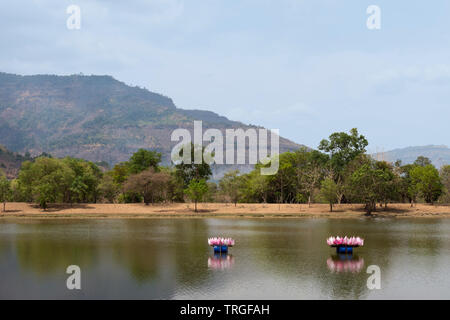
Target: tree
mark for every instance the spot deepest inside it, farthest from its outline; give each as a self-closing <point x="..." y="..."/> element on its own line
<point x="108" y="189"/>
<point x="366" y="183"/>
<point x="313" y="172"/>
<point x="422" y="161"/>
<point x="427" y="181"/>
<point x="58" y="180"/>
<point x="232" y="184"/>
<point x="143" y="160"/>
<point x="5" y="190"/>
<point x="151" y="185"/>
<point x="187" y="172"/>
<point x="329" y="192"/>
<point x="388" y="185"/>
<point x="445" y="178"/>
<point x="45" y="193"/>
<point x="196" y="190"/>
<point x="343" y="148"/>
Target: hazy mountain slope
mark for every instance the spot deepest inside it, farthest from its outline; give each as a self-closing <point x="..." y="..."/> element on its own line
<point x="439" y="155"/>
<point x="93" y="117"/>
<point x="10" y="162"/>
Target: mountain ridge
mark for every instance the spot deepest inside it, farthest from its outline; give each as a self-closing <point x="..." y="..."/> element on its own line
<point x="94" y="117"/>
<point x="438" y="154"/>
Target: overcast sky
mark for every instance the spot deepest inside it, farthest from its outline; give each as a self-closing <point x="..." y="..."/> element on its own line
<point x="306" y="67"/>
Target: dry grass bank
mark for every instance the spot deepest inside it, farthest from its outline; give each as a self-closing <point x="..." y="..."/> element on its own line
<point x="117" y="211"/>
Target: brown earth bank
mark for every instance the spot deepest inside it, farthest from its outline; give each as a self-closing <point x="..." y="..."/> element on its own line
<point x="225" y="210"/>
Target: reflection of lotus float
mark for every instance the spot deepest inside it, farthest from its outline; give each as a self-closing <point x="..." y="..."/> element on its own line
<point x="221" y="245"/>
<point x="220" y="262"/>
<point x="341" y="264"/>
<point x="345" y="244"/>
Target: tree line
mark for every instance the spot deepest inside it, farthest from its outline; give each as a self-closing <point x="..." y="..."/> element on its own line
<point x="340" y="171"/>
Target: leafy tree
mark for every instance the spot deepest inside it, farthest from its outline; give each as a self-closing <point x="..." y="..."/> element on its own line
<point x="58" y="180"/>
<point x="422" y="161"/>
<point x="405" y="188"/>
<point x="143" y="160"/>
<point x="120" y="173"/>
<point x="45" y="193"/>
<point x="329" y="192"/>
<point x="108" y="189"/>
<point x="232" y="184"/>
<point x="196" y="191"/>
<point x="187" y="172"/>
<point x="388" y="186"/>
<point x="5" y="190"/>
<point x="366" y="183"/>
<point x="427" y="181"/>
<point x="343" y="148"/>
<point x="445" y="178"/>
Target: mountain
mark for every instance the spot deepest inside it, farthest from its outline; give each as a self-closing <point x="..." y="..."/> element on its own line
<point x="10" y="162"/>
<point x="97" y="118"/>
<point x="439" y="155"/>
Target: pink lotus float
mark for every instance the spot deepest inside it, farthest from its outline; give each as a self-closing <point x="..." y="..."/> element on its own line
<point x="345" y="244"/>
<point x="221" y="245"/>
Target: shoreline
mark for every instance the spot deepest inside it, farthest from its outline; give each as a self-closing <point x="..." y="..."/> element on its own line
<point x="217" y="210"/>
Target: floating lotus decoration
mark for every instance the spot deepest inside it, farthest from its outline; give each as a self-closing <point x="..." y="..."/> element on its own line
<point x="221" y="245"/>
<point x="345" y="244"/>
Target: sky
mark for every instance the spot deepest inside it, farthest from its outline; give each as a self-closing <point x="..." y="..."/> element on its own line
<point x="308" y="68"/>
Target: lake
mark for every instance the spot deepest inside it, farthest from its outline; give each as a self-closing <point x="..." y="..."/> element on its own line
<point x="272" y="259"/>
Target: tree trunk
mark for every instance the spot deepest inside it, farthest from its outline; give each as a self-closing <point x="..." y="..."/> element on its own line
<point x="331" y="207"/>
<point x="309" y="201"/>
<point x="196" y="206"/>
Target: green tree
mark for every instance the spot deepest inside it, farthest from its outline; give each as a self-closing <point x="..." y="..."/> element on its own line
<point x="329" y="192"/>
<point x="422" y="161"/>
<point x="343" y="148"/>
<point x="196" y="191"/>
<point x="366" y="183"/>
<point x="427" y="182"/>
<point x="143" y="160"/>
<point x="232" y="185"/>
<point x="445" y="178"/>
<point x="108" y="190"/>
<point x="187" y="172"/>
<point x="5" y="190"/>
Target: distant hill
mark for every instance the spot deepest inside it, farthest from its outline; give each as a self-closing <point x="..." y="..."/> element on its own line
<point x="94" y="117"/>
<point x="439" y="155"/>
<point x="10" y="162"/>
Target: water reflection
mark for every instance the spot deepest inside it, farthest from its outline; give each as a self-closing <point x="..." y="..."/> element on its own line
<point x="278" y="259"/>
<point x="42" y="250"/>
<point x="342" y="263"/>
<point x="220" y="262"/>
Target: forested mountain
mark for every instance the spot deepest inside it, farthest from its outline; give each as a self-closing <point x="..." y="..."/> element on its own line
<point x="93" y="117"/>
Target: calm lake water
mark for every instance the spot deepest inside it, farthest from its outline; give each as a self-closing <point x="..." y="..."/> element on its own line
<point x="272" y="259"/>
